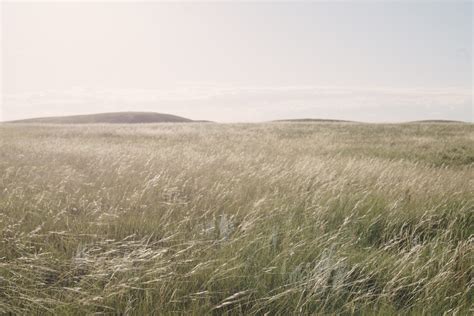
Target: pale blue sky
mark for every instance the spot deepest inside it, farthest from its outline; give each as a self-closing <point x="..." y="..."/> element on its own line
<point x="370" y="61"/>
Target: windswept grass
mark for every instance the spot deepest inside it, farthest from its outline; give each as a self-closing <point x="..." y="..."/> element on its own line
<point x="277" y="218"/>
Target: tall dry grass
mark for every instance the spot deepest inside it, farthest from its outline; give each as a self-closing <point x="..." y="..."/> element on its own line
<point x="281" y="218"/>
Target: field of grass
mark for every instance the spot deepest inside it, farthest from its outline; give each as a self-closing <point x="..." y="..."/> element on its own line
<point x="241" y="219"/>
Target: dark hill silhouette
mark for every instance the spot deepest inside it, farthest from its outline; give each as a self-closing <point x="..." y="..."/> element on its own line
<point x="438" y="121"/>
<point x="112" y="118"/>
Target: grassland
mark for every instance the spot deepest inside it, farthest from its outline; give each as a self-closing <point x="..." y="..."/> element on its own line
<point x="267" y="219"/>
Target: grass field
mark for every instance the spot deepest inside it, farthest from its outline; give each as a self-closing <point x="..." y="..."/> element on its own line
<point x="275" y="219"/>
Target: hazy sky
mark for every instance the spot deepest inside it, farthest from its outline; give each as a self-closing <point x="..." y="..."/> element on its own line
<point x="369" y="61"/>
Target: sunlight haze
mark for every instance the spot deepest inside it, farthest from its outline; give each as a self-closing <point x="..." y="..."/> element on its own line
<point x="239" y="62"/>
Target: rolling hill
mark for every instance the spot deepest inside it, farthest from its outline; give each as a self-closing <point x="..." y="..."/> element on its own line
<point x="438" y="121"/>
<point x="111" y="118"/>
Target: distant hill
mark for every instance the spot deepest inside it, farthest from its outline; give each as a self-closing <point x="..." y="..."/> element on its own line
<point x="438" y="121"/>
<point x="112" y="118"/>
<point x="308" y="120"/>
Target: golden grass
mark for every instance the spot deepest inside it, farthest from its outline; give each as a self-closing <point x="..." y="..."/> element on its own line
<point x="278" y="218"/>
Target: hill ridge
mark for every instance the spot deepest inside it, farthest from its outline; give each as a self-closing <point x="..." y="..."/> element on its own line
<point x="109" y="118"/>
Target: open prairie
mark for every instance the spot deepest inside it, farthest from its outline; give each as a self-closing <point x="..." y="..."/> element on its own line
<point x="275" y="219"/>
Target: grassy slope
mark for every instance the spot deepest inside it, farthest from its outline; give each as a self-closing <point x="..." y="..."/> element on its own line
<point x="280" y="218"/>
<point x="114" y="118"/>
